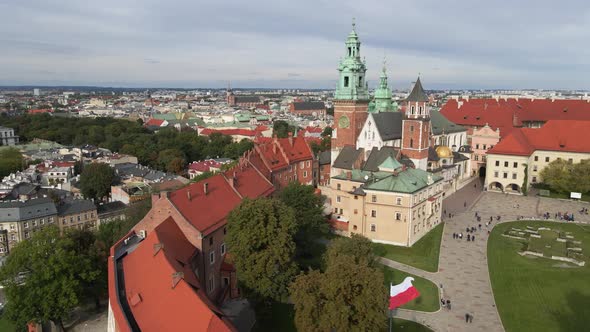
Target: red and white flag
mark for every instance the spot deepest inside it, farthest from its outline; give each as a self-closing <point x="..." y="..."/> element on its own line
<point x="402" y="293"/>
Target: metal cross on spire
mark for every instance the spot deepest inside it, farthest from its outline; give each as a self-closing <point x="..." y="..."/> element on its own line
<point x="353" y="24"/>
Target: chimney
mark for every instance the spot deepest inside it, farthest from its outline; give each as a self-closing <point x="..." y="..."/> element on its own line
<point x="291" y="138"/>
<point x="205" y="188"/>
<point x="188" y="194"/>
<point x="514" y="120"/>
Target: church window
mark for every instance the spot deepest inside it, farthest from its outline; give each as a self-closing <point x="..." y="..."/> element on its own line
<point x="421" y="109"/>
<point x="411" y="142"/>
<point x="412" y="110"/>
<point x="349" y="51"/>
<point x="346" y="79"/>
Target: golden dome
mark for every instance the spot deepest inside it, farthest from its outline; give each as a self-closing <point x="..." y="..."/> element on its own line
<point x="444" y="152"/>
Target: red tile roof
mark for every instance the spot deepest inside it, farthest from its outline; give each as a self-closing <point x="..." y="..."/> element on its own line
<point x="230" y="132"/>
<point x="207" y="212"/>
<point x="157" y="301"/>
<point x="277" y="153"/>
<point x="555" y="135"/>
<point x="39" y="111"/>
<point x="204" y="165"/>
<point x="511" y="112"/>
<point x="154" y="122"/>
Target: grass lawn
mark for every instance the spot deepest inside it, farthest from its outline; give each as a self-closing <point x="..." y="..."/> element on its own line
<point x="406" y="326"/>
<point x="553" y="194"/>
<point x="539" y="294"/>
<point x="428" y="299"/>
<point x="423" y="254"/>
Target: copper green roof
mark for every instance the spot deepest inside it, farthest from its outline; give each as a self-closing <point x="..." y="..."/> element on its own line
<point x="390" y="164"/>
<point x="441" y="124"/>
<point x="407" y="181"/>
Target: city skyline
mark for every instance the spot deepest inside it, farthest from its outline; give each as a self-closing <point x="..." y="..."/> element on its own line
<point x="267" y="44"/>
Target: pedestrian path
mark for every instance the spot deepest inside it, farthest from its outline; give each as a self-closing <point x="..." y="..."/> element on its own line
<point x="463" y="269"/>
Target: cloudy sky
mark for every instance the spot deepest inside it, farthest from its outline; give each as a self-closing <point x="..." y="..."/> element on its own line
<point x="275" y="43"/>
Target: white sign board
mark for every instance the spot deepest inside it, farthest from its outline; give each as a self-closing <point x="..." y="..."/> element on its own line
<point x="576" y="195"/>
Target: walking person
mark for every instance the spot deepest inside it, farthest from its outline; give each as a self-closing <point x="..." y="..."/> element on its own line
<point x="449" y="304"/>
<point x="466" y="318"/>
<point x="470" y="318"/>
<point x="472" y="238"/>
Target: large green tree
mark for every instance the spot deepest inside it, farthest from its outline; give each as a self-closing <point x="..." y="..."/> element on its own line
<point x="260" y="239"/>
<point x="96" y="180"/>
<point x="41" y="279"/>
<point x="348" y="296"/>
<point x="11" y="160"/>
<point x="563" y="176"/>
<point x="308" y="207"/>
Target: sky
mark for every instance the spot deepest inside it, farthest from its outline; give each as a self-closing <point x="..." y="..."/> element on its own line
<point x="451" y="44"/>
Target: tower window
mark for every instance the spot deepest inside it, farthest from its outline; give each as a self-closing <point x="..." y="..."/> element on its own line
<point x="421" y="110"/>
<point x="346" y="81"/>
<point x="349" y="51"/>
<point x="411" y="128"/>
<point x="360" y="81"/>
<point x="413" y="110"/>
<point x="411" y="142"/>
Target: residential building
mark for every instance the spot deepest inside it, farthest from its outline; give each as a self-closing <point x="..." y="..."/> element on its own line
<point x="324" y="168"/>
<point x="197" y="168"/>
<point x="22" y="219"/>
<point x="7" y="136"/>
<point x="518" y="159"/>
<point x="111" y="212"/>
<point x="77" y="214"/>
<point x="198" y="212"/>
<point x="308" y="108"/>
<point x="283" y="160"/>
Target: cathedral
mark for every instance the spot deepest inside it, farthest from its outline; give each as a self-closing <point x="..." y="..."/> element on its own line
<point x="390" y="165"/>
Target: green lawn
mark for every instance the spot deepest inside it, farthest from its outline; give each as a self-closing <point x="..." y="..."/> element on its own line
<point x="423" y="254"/>
<point x="553" y="194"/>
<point x="539" y="294"/>
<point x="428" y="299"/>
<point x="402" y="325"/>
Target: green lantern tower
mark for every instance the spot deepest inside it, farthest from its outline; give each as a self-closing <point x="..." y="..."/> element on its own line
<point x="352" y="84"/>
<point x="383" y="102"/>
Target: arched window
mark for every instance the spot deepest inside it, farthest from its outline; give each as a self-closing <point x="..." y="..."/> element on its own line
<point x="411" y="142"/>
<point x="412" y="110"/>
<point x="421" y="109"/>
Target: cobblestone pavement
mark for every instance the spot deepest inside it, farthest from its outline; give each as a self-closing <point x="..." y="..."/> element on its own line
<point x="463" y="270"/>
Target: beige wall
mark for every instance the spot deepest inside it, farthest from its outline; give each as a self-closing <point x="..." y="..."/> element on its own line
<point x="87" y="220"/>
<point x="375" y="215"/>
<point x="535" y="162"/>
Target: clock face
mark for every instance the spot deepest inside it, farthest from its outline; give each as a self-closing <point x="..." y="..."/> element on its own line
<point x="343" y="122"/>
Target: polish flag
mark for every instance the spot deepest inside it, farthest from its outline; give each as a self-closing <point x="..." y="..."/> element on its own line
<point x="402" y="293"/>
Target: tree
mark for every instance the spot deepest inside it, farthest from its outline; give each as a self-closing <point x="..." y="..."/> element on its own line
<point x="260" y="239"/>
<point x="41" y="279"/>
<point x="282" y="128"/>
<point x="96" y="180"/>
<point x="176" y="166"/>
<point x="348" y="296"/>
<point x="11" y="160"/>
<point x="327" y="131"/>
<point x="308" y="207"/>
<point x="557" y="175"/>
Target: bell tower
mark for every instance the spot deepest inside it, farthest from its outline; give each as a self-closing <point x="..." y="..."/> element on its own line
<point x="416" y="127"/>
<point x="351" y="98"/>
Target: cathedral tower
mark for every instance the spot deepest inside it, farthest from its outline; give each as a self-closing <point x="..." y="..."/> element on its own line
<point x="351" y="98"/>
<point x="382" y="101"/>
<point x="416" y="127"/>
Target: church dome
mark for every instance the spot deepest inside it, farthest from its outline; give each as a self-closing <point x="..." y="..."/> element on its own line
<point x="444" y="152"/>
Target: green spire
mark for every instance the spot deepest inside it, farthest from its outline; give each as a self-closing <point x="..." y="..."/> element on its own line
<point x="383" y="102"/>
<point x="352" y="84"/>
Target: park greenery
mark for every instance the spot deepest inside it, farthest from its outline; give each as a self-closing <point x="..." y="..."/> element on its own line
<point x="166" y="150"/>
<point x="423" y="254"/>
<point x="565" y="177"/>
<point x="11" y="160"/>
<point x="348" y="296"/>
<point x="537" y="293"/>
<point x="96" y="180"/>
<point x="51" y="274"/>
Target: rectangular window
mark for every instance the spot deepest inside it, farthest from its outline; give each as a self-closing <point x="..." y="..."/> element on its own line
<point x="356" y="211"/>
<point x="497" y="163"/>
<point x="13" y="237"/>
<point x="71" y="220"/>
<point x="515" y="165"/>
<point x="374" y="213"/>
<point x="476" y="157"/>
<point x="411" y="128"/>
<point x="536" y="158"/>
<point x="546" y="159"/>
<point x="338" y="199"/>
<point x="513" y="176"/>
<point x="211" y="241"/>
<point x="346" y="81"/>
<point x="484" y="146"/>
<point x="42" y="221"/>
<point x="496" y="174"/>
<point x="570" y="160"/>
<point x="534" y="179"/>
<point x="301" y="164"/>
<point x="34" y="222"/>
<point x="341" y="211"/>
<point x="374" y="198"/>
<point x="26" y="226"/>
<point x="505" y="175"/>
<point x="477" y="146"/>
<point x="79" y="217"/>
<point x="534" y="168"/>
<point x="304" y="174"/>
<point x="398" y="216"/>
<point x="26" y="234"/>
<point x="373" y="227"/>
<point x="222" y="249"/>
<point x="505" y="164"/>
<point x="398" y="201"/>
<point x="211" y="284"/>
<point x="338" y="186"/>
<point x="211" y="256"/>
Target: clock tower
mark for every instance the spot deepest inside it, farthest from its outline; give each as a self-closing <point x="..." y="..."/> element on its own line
<point x="416" y="127"/>
<point x="351" y="98"/>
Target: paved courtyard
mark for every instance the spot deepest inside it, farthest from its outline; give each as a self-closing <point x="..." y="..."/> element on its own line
<point x="463" y="271"/>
